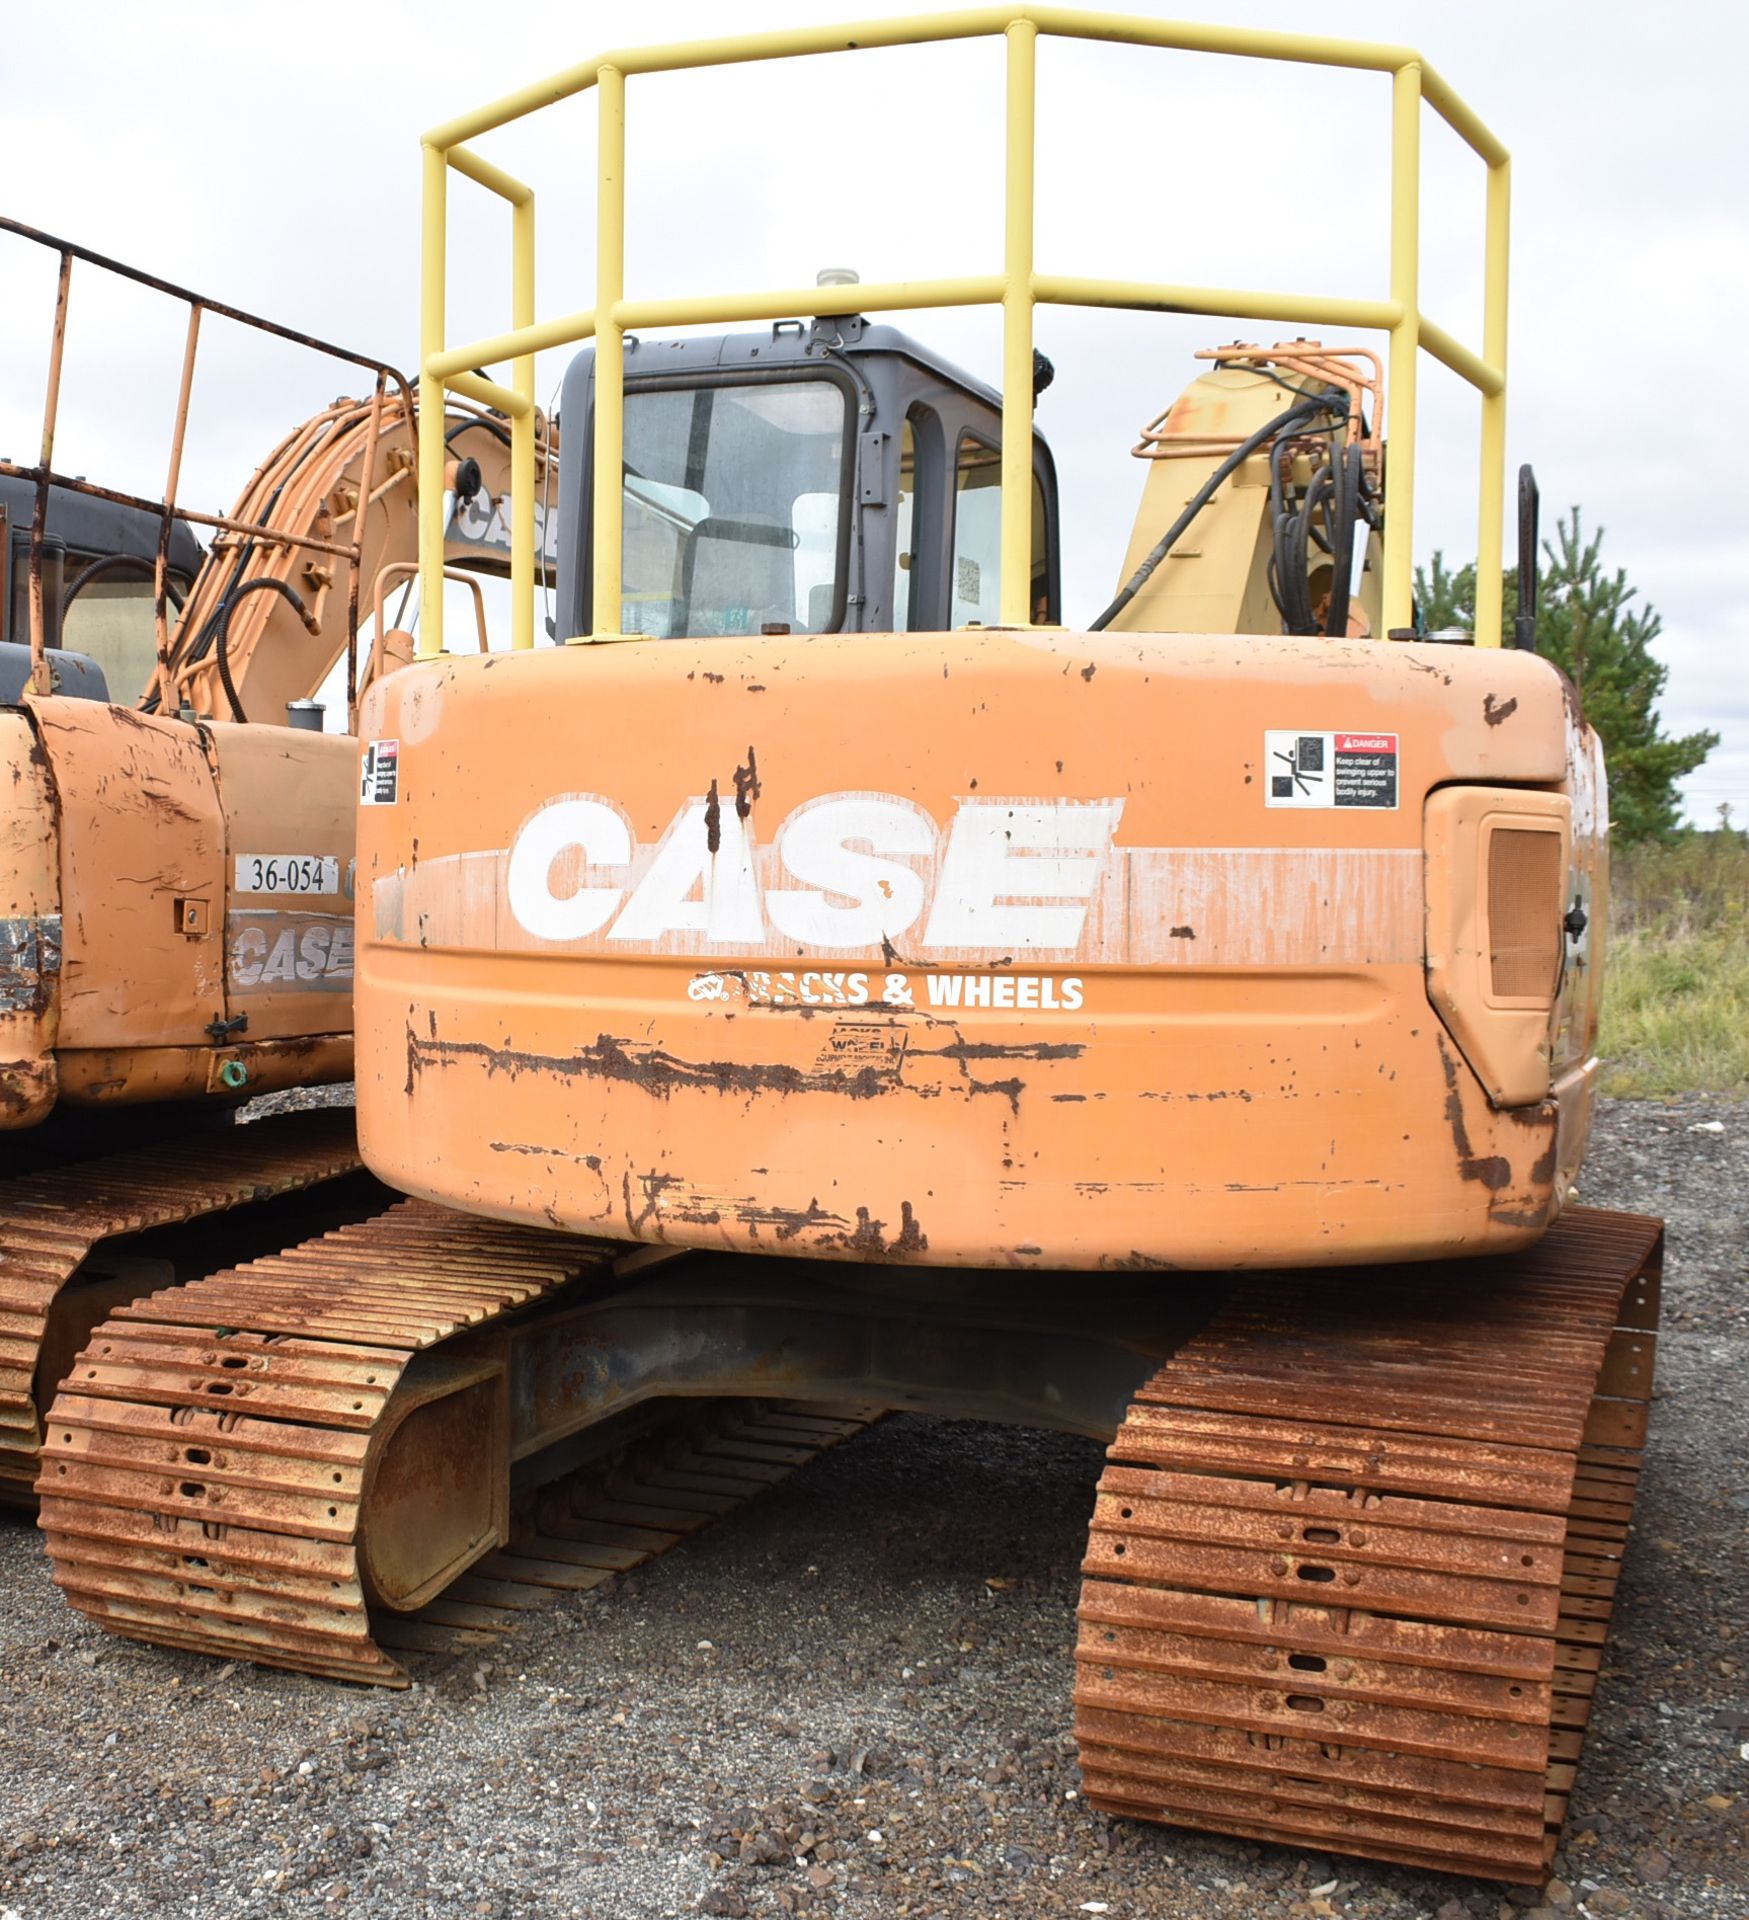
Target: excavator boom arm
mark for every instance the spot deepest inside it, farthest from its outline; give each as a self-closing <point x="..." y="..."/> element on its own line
<point x="273" y="610"/>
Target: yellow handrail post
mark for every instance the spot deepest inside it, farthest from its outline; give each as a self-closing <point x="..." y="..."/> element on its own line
<point x="1492" y="509"/>
<point x="610" y="217"/>
<point x="431" y="450"/>
<point x="1017" y="300"/>
<point x="522" y="427"/>
<point x="1399" y="590"/>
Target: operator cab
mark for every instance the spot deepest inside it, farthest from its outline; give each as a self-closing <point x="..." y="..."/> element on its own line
<point x="98" y="558"/>
<point x="827" y="478"/>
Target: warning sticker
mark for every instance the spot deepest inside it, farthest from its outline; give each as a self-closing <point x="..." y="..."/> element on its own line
<point x="379" y="782"/>
<point x="1329" y="769"/>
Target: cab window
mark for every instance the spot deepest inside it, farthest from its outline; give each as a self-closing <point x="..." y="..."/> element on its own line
<point x="904" y="600"/>
<point x="114" y="620"/>
<point x="975" y="577"/>
<point x="734" y="509"/>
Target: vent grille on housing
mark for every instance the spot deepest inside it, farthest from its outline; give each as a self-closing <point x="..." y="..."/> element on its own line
<point x="1524" y="913"/>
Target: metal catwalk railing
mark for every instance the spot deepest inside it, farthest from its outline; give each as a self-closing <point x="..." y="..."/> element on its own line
<point x="1017" y="289"/>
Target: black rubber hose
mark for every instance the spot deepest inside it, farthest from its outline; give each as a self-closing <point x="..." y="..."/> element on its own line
<point x="222" y="630"/>
<point x="202" y="643"/>
<point x="114" y="563"/>
<point x="1345" y="508"/>
<point x="471" y="421"/>
<point x="1289" y="552"/>
<point x="1280" y="515"/>
<point x="1301" y="413"/>
<point x="1290" y="533"/>
<point x="1320" y="498"/>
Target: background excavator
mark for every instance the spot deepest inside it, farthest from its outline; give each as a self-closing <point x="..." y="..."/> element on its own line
<point x="827" y="979"/>
<point x="176" y="847"/>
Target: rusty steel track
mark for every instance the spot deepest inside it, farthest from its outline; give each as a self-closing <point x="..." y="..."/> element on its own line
<point x="52" y="1222"/>
<point x="213" y="1457"/>
<point x="1354" y="1553"/>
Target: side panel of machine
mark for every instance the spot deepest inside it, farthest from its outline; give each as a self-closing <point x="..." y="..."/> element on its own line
<point x="141" y="881"/>
<point x="289" y="800"/>
<point x="203" y="886"/>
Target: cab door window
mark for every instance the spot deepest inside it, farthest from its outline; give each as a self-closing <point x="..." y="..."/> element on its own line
<point x="905" y="526"/>
<point x="975" y="575"/>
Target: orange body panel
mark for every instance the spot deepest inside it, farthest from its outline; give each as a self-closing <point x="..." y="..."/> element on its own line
<point x="140" y="829"/>
<point x="152" y="897"/>
<point x="975" y="948"/>
<point x="288" y="954"/>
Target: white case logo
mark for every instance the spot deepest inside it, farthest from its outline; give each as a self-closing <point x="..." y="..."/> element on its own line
<point x="1009" y="876"/>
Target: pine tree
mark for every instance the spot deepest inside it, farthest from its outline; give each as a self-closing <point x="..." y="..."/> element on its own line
<point x="1587" y="625"/>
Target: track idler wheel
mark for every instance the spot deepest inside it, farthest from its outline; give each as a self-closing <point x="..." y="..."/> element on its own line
<point x="437" y="1482"/>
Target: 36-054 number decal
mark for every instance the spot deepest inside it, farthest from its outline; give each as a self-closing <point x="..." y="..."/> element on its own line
<point x="287" y="873"/>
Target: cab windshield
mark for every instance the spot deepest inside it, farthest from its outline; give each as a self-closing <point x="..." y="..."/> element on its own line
<point x="734" y="509"/>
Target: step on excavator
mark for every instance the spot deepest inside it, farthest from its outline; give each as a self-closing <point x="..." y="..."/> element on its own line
<point x="826" y="981"/>
<point x="176" y="843"/>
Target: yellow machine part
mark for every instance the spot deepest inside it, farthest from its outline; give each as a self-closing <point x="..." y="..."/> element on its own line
<point x="1215" y="579"/>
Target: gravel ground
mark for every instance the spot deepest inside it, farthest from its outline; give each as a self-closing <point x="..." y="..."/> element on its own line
<point x="850" y="1698"/>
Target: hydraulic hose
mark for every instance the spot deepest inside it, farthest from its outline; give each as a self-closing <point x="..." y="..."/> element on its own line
<point x="200" y="645"/>
<point x="115" y="563"/>
<point x="222" y="629"/>
<point x="1344" y="513"/>
<point x="1291" y="535"/>
<point x="1335" y="499"/>
<point x="1302" y="413"/>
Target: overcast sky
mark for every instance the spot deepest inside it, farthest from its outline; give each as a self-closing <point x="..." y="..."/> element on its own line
<point x="268" y="156"/>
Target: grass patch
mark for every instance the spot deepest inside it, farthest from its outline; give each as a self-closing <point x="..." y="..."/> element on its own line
<point x="1676" y="996"/>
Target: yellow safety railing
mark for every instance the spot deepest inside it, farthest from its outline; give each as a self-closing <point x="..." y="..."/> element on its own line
<point x="1016" y="289"/>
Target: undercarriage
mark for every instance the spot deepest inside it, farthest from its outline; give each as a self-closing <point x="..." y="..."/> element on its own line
<point x="1350" y="1566"/>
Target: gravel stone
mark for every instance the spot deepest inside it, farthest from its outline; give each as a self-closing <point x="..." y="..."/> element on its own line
<point x="878" y="1730"/>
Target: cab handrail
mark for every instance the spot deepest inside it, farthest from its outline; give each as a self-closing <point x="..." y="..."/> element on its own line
<point x="1017" y="289"/>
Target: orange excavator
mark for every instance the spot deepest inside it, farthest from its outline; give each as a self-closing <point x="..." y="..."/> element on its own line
<point x="829" y="982"/>
<point x="176" y="847"/>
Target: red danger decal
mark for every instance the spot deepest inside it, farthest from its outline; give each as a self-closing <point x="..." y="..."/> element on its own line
<point x="1366" y="743"/>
